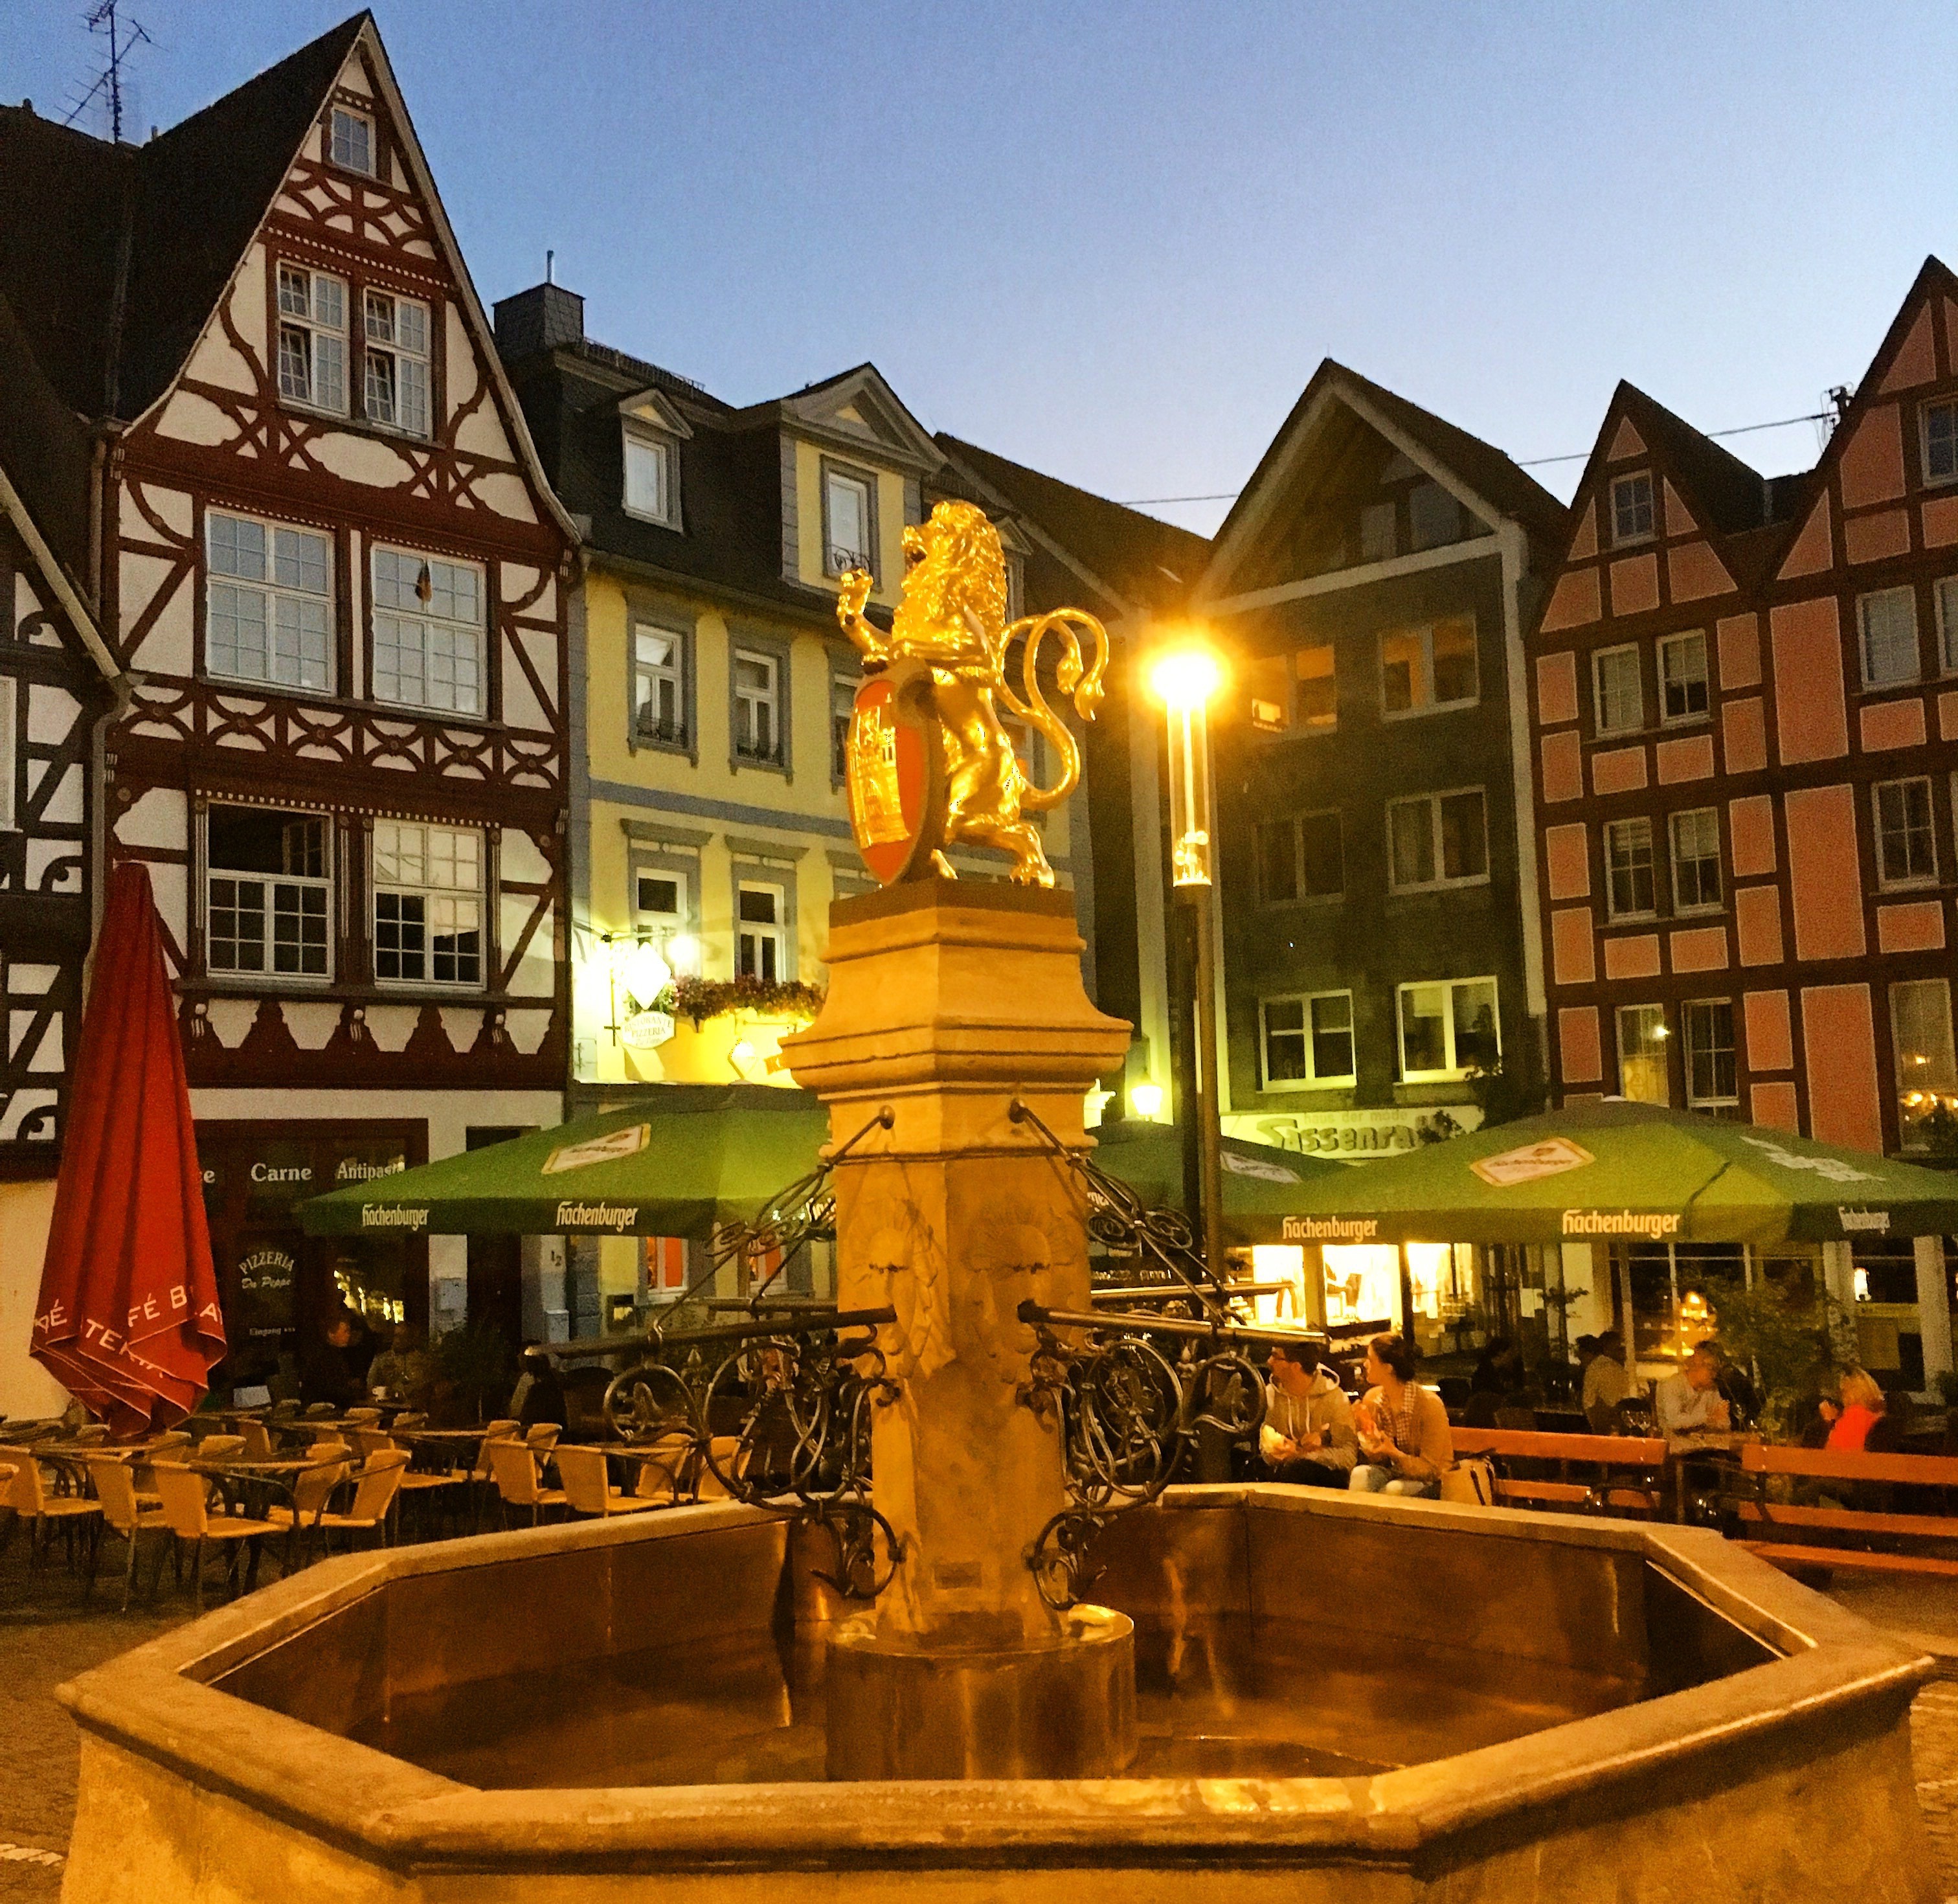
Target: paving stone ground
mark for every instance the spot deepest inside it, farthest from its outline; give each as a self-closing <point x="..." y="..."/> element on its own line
<point x="48" y="1634"/>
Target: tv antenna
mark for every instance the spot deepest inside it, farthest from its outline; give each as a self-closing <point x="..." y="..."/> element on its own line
<point x="124" y="38"/>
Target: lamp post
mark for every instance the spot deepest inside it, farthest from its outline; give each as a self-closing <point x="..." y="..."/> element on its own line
<point x="1186" y="677"/>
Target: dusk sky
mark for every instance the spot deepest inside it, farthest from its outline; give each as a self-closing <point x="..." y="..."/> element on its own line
<point x="1115" y="241"/>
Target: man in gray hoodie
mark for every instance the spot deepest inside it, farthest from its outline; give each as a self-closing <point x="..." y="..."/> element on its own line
<point x="1308" y="1436"/>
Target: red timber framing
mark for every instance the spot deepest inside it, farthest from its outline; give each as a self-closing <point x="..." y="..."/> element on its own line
<point x="338" y="581"/>
<point x="1743" y="697"/>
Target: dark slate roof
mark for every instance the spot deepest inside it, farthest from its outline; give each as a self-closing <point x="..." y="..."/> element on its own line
<point x="45" y="450"/>
<point x="114" y="256"/>
<point x="1735" y="497"/>
<point x="1151" y="563"/>
<point x="1485" y="469"/>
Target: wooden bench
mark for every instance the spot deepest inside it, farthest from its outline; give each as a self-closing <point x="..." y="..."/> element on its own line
<point x="1628" y="1477"/>
<point x="1759" y="1464"/>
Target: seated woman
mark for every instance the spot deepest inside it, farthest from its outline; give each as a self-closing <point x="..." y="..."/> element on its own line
<point x="1404" y="1444"/>
<point x="1859" y="1408"/>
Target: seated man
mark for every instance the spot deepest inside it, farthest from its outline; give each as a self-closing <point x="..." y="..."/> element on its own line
<point x="1688" y="1405"/>
<point x="1308" y="1436"/>
<point x="1606" y="1384"/>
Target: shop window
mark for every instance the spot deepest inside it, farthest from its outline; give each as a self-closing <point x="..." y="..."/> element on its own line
<point x="1424" y="670"/>
<point x="1906" y="852"/>
<point x="1927" y="1070"/>
<point x="1437" y="840"/>
<point x="1631" y="508"/>
<point x="1886" y="621"/>
<point x="1447" y="1029"/>
<point x="268" y="893"/>
<point x="428" y="904"/>
<point x="1631" y="885"/>
<point x="1683" y="677"/>
<point x="268" y="602"/>
<point x="428" y="632"/>
<point x="1711" y="1081"/>
<point x="1618" y="696"/>
<point x="1307" y="1040"/>
<point x="1643" y="1074"/>
<point x="1696" y="860"/>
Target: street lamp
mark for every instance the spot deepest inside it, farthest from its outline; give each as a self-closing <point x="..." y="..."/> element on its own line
<point x="1186" y="677"/>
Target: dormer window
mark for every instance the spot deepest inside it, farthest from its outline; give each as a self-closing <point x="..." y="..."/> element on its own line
<point x="651" y="464"/>
<point x="351" y="141"/>
<point x="1631" y="508"/>
<point x="849" y="521"/>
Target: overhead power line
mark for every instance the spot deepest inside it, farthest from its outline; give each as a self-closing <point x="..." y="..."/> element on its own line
<point x="1531" y="462"/>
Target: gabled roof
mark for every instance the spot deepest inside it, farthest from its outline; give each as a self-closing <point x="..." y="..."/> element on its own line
<point x="1145" y="563"/>
<point x="1731" y="497"/>
<point x="114" y="256"/>
<point x="1502" y="485"/>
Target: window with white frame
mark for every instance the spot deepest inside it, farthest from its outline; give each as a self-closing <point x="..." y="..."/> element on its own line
<point x="350" y="141"/>
<point x="10" y="753"/>
<point x="1438" y="839"/>
<point x="1683" y="686"/>
<point x="842" y="705"/>
<point x="428" y="904"/>
<point x="312" y="338"/>
<point x="1617" y="690"/>
<point x="1303" y="858"/>
<point x="1939" y="433"/>
<point x="1297" y="689"/>
<point x="268" y="893"/>
<point x="1712" y="1074"/>
<point x="849" y="522"/>
<point x="1927" y="1069"/>
<point x="1886" y="623"/>
<point x="1948" y="623"/>
<point x="1631" y="508"/>
<point x="1423" y="670"/>
<point x="268" y="602"/>
<point x="1631" y="884"/>
<point x="1906" y="848"/>
<point x="1696" y="860"/>
<point x="1642" y="1036"/>
<point x="1307" y="1039"/>
<point x="396" y="354"/>
<point x="1448" y="1028"/>
<point x="651" y="466"/>
<point x="761" y="931"/>
<point x="662" y="902"/>
<point x="758" y="707"/>
<point x="659" y="686"/>
<point x="428" y="632"/>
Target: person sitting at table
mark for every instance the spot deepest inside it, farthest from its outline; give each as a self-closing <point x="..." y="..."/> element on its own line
<point x="1307" y="1437"/>
<point x="1404" y="1443"/>
<point x="539" y="1394"/>
<point x="1859" y="1406"/>
<point x="1688" y="1403"/>
<point x="334" y="1367"/>
<point x="404" y="1370"/>
<point x="1606" y="1384"/>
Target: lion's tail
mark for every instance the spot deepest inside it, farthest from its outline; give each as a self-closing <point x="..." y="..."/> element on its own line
<point x="1079" y="679"/>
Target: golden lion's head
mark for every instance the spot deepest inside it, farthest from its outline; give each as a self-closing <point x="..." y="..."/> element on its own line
<point x="956" y="568"/>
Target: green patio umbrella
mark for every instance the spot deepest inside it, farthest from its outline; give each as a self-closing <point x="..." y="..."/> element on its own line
<point x="1262" y="1185"/>
<point x="673" y="1166"/>
<point x="1601" y="1173"/>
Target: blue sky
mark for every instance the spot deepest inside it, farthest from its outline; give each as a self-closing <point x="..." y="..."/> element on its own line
<point x="1114" y="241"/>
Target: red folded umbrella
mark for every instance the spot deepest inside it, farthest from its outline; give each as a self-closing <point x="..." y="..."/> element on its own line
<point x="128" y="1320"/>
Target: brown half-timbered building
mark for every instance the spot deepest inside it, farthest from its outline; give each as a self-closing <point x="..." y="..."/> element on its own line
<point x="335" y="576"/>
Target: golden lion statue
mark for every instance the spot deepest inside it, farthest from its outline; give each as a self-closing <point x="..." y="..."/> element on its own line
<point x="952" y="616"/>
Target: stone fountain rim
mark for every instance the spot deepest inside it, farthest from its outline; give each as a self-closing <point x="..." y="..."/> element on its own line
<point x="1836" y="1672"/>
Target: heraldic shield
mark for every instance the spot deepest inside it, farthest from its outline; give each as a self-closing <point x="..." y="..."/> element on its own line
<point x="896" y="773"/>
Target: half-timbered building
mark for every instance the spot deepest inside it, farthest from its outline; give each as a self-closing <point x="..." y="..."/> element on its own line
<point x="1746" y="729"/>
<point x="58" y="684"/>
<point x="334" y="574"/>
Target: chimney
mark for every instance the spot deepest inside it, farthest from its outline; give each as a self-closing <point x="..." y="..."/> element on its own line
<point x="540" y="319"/>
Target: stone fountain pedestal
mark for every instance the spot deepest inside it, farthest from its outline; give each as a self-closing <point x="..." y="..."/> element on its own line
<point x="948" y="1000"/>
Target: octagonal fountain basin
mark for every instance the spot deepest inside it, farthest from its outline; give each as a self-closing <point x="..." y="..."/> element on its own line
<point x="1337" y="1697"/>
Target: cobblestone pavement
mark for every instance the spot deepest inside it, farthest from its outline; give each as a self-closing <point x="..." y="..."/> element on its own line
<point x="48" y="1634"/>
